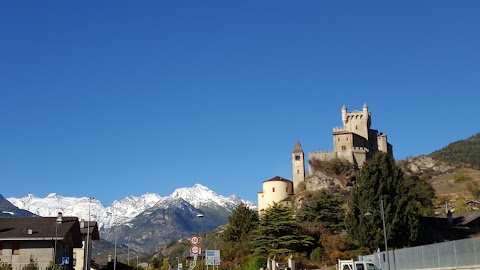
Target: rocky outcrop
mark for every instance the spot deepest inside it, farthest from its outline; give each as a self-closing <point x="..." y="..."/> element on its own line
<point x="425" y="164"/>
<point x="321" y="181"/>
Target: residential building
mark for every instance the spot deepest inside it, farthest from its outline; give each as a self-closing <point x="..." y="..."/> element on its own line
<point x="46" y="240"/>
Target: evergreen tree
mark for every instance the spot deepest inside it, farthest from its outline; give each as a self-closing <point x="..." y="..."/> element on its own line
<point x="240" y="224"/>
<point x="381" y="179"/>
<point x="327" y="210"/>
<point x="278" y="232"/>
<point x="237" y="245"/>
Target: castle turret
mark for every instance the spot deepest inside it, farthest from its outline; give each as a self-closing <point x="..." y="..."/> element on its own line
<point x="298" y="165"/>
<point x="344" y="115"/>
<point x="365" y="110"/>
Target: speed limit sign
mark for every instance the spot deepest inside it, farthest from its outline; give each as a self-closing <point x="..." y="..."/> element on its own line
<point x="195" y="249"/>
<point x="195" y="240"/>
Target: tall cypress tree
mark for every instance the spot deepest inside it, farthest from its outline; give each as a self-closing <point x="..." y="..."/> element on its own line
<point x="380" y="179"/>
<point x="278" y="232"/>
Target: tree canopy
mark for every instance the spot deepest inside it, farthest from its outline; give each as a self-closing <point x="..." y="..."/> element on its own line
<point x="326" y="210"/>
<point x="242" y="221"/>
<point x="380" y="179"/>
<point x="278" y="232"/>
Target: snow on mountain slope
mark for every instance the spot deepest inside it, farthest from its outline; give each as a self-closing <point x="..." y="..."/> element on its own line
<point x="200" y="195"/>
<point x="124" y="210"/>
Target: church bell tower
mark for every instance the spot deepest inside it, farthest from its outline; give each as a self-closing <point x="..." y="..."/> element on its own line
<point x="298" y="165"/>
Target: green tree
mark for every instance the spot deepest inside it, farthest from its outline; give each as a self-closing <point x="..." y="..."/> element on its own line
<point x="326" y="209"/>
<point x="240" y="224"/>
<point x="423" y="192"/>
<point x="279" y="232"/>
<point x="380" y="179"/>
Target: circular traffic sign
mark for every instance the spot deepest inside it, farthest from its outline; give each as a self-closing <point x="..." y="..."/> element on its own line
<point x="195" y="240"/>
<point x="195" y="249"/>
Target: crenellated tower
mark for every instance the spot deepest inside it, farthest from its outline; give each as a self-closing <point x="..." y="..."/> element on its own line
<point x="298" y="165"/>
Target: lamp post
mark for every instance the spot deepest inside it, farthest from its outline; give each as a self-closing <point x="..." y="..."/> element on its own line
<point x="201" y="231"/>
<point x="58" y="221"/>
<point x="87" y="251"/>
<point x="115" y="252"/>
<point x="382" y="215"/>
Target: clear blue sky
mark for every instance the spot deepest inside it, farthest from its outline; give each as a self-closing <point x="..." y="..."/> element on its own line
<point x="114" y="98"/>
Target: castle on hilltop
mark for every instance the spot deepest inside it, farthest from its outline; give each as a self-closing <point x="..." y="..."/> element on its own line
<point x="355" y="142"/>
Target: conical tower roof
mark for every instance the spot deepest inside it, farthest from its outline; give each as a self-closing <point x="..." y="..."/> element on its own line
<point x="298" y="147"/>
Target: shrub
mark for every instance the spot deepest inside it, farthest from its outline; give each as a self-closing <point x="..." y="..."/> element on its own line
<point x="32" y="265"/>
<point x="316" y="255"/>
<point x="5" y="266"/>
<point x="424" y="176"/>
<point x="301" y="186"/>
<point x="459" y="178"/>
<point x="255" y="263"/>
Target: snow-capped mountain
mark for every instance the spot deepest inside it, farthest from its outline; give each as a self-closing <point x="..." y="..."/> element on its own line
<point x="122" y="211"/>
<point x="201" y="196"/>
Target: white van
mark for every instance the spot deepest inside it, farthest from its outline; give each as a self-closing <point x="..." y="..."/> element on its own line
<point x="356" y="265"/>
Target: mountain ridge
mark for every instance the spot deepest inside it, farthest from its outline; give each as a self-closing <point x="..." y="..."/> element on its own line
<point x="124" y="210"/>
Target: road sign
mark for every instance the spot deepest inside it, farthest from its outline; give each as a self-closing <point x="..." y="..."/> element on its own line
<point x="180" y="266"/>
<point x="194" y="240"/>
<point x="212" y="257"/>
<point x="195" y="249"/>
<point x="65" y="260"/>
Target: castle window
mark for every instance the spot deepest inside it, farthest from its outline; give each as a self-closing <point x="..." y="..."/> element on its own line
<point x="344" y="147"/>
<point x="356" y="127"/>
<point x="298" y="171"/>
<point x="286" y="189"/>
<point x="273" y="189"/>
<point x="338" y="139"/>
<point x="347" y="139"/>
<point x="297" y="157"/>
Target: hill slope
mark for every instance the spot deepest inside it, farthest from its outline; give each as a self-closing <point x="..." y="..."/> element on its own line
<point x="461" y="152"/>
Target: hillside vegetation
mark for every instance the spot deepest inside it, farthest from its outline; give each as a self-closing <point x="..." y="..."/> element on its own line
<point x="461" y="152"/>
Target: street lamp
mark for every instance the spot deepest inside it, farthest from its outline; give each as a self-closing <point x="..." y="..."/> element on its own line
<point x="58" y="221"/>
<point x="382" y="215"/>
<point x="87" y="249"/>
<point x="201" y="217"/>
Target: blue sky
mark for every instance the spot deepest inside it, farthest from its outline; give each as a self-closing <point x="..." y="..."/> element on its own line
<point x="114" y="98"/>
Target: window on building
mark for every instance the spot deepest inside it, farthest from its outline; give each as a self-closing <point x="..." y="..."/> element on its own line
<point x="344" y="147"/>
<point x="286" y="189"/>
<point x="356" y="127"/>
<point x="16" y="249"/>
<point x="297" y="157"/>
<point x="347" y="139"/>
<point x="298" y="171"/>
<point x="1" y="249"/>
<point x="74" y="258"/>
<point x="273" y="189"/>
<point x="338" y="139"/>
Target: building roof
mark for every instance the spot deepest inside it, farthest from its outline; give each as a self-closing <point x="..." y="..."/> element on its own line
<point x="277" y="178"/>
<point x="297" y="148"/>
<point x="458" y="221"/>
<point x="41" y="228"/>
<point x="93" y="229"/>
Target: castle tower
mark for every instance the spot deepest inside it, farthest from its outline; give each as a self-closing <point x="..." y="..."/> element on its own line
<point x="298" y="165"/>
<point x="344" y="115"/>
